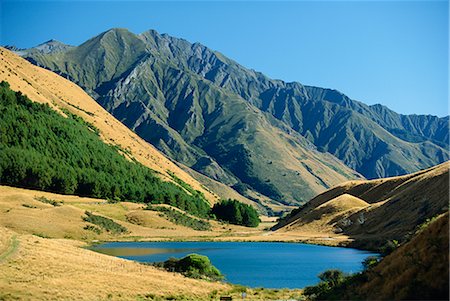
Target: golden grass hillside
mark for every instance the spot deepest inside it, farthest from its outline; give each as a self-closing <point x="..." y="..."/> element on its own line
<point x="26" y="211"/>
<point x="42" y="255"/>
<point x="417" y="270"/>
<point x="48" y="269"/>
<point x="373" y="212"/>
<point x="47" y="87"/>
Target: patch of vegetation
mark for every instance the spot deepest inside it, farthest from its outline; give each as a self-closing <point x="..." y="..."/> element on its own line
<point x="29" y="206"/>
<point x="425" y="224"/>
<point x="94" y="229"/>
<point x="154" y="297"/>
<point x="41" y="235"/>
<point x="78" y="108"/>
<point x="235" y="212"/>
<point x="330" y="279"/>
<point x="81" y="121"/>
<point x="370" y="262"/>
<point x="180" y="218"/>
<point x="106" y="223"/>
<point x="193" y="266"/>
<point x="49" y="201"/>
<point x="11" y="248"/>
<point x="40" y="149"/>
<point x="389" y="247"/>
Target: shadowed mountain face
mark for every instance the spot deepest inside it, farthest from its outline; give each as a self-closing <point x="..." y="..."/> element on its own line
<point x="237" y="125"/>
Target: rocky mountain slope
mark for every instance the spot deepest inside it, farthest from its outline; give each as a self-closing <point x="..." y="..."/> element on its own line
<point x="237" y="125"/>
<point x="375" y="212"/>
<point x="194" y="121"/>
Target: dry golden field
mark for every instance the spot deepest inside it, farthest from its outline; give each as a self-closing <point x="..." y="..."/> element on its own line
<point x="59" y="269"/>
<point x="42" y="254"/>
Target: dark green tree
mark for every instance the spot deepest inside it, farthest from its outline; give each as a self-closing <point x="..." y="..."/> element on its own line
<point x="235" y="212"/>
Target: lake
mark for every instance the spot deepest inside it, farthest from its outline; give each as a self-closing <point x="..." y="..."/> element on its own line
<point x="254" y="264"/>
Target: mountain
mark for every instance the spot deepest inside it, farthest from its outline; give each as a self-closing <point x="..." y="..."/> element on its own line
<point x="195" y="122"/>
<point x="375" y="212"/>
<point x="264" y="137"/>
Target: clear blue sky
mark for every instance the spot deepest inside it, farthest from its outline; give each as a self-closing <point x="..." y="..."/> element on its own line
<point x="393" y="53"/>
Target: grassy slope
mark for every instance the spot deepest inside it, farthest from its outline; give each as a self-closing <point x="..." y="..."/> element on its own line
<point x="22" y="212"/>
<point x="44" y="269"/>
<point x="46" y="87"/>
<point x="49" y="265"/>
<point x="416" y="271"/>
<point x="387" y="209"/>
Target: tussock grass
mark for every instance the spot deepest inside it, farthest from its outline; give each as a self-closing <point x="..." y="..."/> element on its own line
<point x="44" y="269"/>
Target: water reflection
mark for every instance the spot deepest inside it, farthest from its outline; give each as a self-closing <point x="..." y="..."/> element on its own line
<point x="144" y="251"/>
<point x="271" y="265"/>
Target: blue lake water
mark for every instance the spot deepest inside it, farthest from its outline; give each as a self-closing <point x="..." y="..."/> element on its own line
<point x="254" y="264"/>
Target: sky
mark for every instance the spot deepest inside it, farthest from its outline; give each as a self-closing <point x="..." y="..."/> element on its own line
<point x="391" y="52"/>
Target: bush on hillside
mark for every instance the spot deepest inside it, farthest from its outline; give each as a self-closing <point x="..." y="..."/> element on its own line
<point x="330" y="280"/>
<point x="193" y="266"/>
<point x="104" y="222"/>
<point x="237" y="213"/>
<point x="181" y="218"/>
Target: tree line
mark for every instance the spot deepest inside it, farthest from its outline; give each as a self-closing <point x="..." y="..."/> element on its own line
<point x="41" y="149"/>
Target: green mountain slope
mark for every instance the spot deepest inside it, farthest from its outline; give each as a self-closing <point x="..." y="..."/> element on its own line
<point x="41" y="149"/>
<point x="316" y="112"/>
<point x="238" y="126"/>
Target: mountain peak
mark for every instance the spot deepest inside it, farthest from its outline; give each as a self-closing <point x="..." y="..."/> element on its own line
<point x="51" y="46"/>
<point x="118" y="30"/>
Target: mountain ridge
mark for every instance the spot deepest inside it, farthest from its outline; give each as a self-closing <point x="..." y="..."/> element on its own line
<point x="171" y="92"/>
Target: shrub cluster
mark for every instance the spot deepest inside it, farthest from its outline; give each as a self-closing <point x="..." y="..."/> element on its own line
<point x="330" y="279"/>
<point x="194" y="266"/>
<point x="180" y="218"/>
<point x="235" y="212"/>
<point x="106" y="223"/>
<point x="45" y="200"/>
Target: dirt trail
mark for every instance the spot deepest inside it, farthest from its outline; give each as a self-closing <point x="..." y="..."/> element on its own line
<point x="8" y="245"/>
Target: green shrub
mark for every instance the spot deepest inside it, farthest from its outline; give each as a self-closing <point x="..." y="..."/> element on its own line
<point x="180" y="218"/>
<point x="193" y="266"/>
<point x="389" y="247"/>
<point x="330" y="280"/>
<point x="237" y="213"/>
<point x="49" y="201"/>
<point x="370" y="262"/>
<point x="332" y="277"/>
<point x="105" y="223"/>
<point x="94" y="229"/>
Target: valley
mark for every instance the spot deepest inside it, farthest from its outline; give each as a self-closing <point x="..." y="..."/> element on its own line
<point x="147" y="138"/>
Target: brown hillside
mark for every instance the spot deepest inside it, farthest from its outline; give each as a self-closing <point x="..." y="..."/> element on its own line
<point x="416" y="271"/>
<point x="41" y="254"/>
<point x="35" y="268"/>
<point x="394" y="207"/>
<point x="47" y="87"/>
<point x="22" y="211"/>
